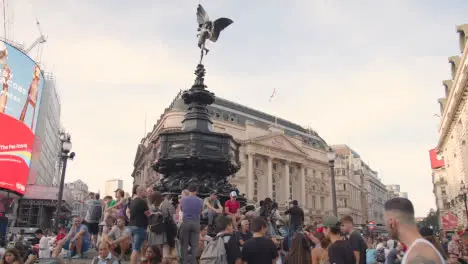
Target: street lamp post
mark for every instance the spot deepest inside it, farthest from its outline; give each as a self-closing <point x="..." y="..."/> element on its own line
<point x="331" y="162"/>
<point x="65" y="154"/>
<point x="463" y="193"/>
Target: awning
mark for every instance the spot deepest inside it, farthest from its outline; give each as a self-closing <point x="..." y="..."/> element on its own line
<point x="42" y="192"/>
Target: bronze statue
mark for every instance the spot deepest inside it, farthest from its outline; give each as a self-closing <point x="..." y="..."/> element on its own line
<point x="208" y="29"/>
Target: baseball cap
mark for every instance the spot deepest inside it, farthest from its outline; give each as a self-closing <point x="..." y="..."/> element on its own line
<point x="233" y="194"/>
<point x="331" y="221"/>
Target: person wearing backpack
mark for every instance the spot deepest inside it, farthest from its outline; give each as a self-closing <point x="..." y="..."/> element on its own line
<point x="157" y="228"/>
<point x="380" y="253"/>
<point x="93" y="216"/>
<point x="225" y="247"/>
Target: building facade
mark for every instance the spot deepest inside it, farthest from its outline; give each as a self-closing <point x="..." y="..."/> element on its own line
<point x="350" y="177"/>
<point x="453" y="134"/>
<point x="112" y="185"/>
<point x="280" y="159"/>
<point x="44" y="169"/>
<point x="79" y="193"/>
<point x="376" y="194"/>
<point x="394" y="191"/>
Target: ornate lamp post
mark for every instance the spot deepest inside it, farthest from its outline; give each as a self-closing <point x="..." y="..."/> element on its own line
<point x="331" y="162"/>
<point x="463" y="194"/>
<point x="65" y="154"/>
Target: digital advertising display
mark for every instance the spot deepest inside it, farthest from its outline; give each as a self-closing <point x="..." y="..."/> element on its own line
<point x="21" y="83"/>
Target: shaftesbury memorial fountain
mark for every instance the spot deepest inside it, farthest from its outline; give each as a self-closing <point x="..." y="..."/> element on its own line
<point x="197" y="154"/>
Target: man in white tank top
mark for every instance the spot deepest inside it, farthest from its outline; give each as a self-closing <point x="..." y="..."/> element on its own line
<point x="401" y="225"/>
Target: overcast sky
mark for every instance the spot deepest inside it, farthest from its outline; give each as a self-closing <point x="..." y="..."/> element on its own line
<point x="364" y="73"/>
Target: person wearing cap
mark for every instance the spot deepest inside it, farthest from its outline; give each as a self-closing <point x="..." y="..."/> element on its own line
<point x="231" y="208"/>
<point x="339" y="251"/>
<point x="211" y="208"/>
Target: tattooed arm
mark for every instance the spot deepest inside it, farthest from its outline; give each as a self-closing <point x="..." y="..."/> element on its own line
<point x="420" y="259"/>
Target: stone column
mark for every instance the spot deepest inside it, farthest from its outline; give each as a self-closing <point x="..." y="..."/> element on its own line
<point x="302" y="182"/>
<point x="287" y="195"/>
<point x="250" y="176"/>
<point x="269" y="191"/>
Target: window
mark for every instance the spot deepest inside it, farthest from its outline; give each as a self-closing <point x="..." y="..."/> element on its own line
<point x="344" y="186"/>
<point x="232" y="118"/>
<point x="290" y="188"/>
<point x="313" y="173"/>
<point x="274" y="166"/>
<point x="273" y="179"/>
<point x="345" y="201"/>
<point x="256" y="163"/>
<point x="322" y="203"/>
<point x="322" y="175"/>
<point x="217" y="115"/>
<point x="314" y="202"/>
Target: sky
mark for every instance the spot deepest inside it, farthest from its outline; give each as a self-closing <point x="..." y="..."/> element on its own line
<point x="364" y="73"/>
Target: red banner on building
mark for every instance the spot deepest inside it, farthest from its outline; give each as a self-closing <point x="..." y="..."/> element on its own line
<point x="449" y="221"/>
<point x="437" y="161"/>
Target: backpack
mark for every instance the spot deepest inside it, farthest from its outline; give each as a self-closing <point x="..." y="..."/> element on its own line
<point x="156" y="222"/>
<point x="125" y="207"/>
<point x="380" y="255"/>
<point x="95" y="212"/>
<point x="214" y="252"/>
<point x="123" y="211"/>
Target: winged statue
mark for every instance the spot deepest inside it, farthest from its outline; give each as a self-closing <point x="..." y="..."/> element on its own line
<point x="209" y="30"/>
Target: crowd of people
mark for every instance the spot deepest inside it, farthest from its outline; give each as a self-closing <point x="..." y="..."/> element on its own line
<point x="149" y="227"/>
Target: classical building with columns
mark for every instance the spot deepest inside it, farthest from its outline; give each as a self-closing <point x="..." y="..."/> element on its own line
<point x="280" y="159"/>
<point x="453" y="134"/>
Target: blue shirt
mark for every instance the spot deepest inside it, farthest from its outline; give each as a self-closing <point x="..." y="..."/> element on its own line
<point x="370" y="256"/>
<point x="74" y="231"/>
<point x="192" y="207"/>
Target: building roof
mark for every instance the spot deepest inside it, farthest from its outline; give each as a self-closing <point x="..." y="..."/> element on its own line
<point x="345" y="150"/>
<point x="240" y="114"/>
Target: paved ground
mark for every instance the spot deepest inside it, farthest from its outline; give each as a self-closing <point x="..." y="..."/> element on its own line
<point x="89" y="256"/>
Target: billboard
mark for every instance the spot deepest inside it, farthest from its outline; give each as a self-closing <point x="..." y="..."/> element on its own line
<point x="437" y="161"/>
<point x="21" y="83"/>
<point x="449" y="221"/>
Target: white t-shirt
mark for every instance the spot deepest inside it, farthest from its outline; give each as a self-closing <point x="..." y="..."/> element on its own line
<point x="424" y="241"/>
<point x="44" y="248"/>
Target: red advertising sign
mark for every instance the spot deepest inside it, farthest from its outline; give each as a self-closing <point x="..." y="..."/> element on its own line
<point x="21" y="83"/>
<point x="449" y="221"/>
<point x="437" y="161"/>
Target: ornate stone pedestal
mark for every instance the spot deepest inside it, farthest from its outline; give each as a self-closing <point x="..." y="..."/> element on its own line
<point x="197" y="155"/>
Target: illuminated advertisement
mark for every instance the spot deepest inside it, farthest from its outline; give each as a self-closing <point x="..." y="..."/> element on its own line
<point x="21" y="83"/>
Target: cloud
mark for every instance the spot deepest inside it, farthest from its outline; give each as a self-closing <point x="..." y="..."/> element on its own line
<point x="367" y="75"/>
